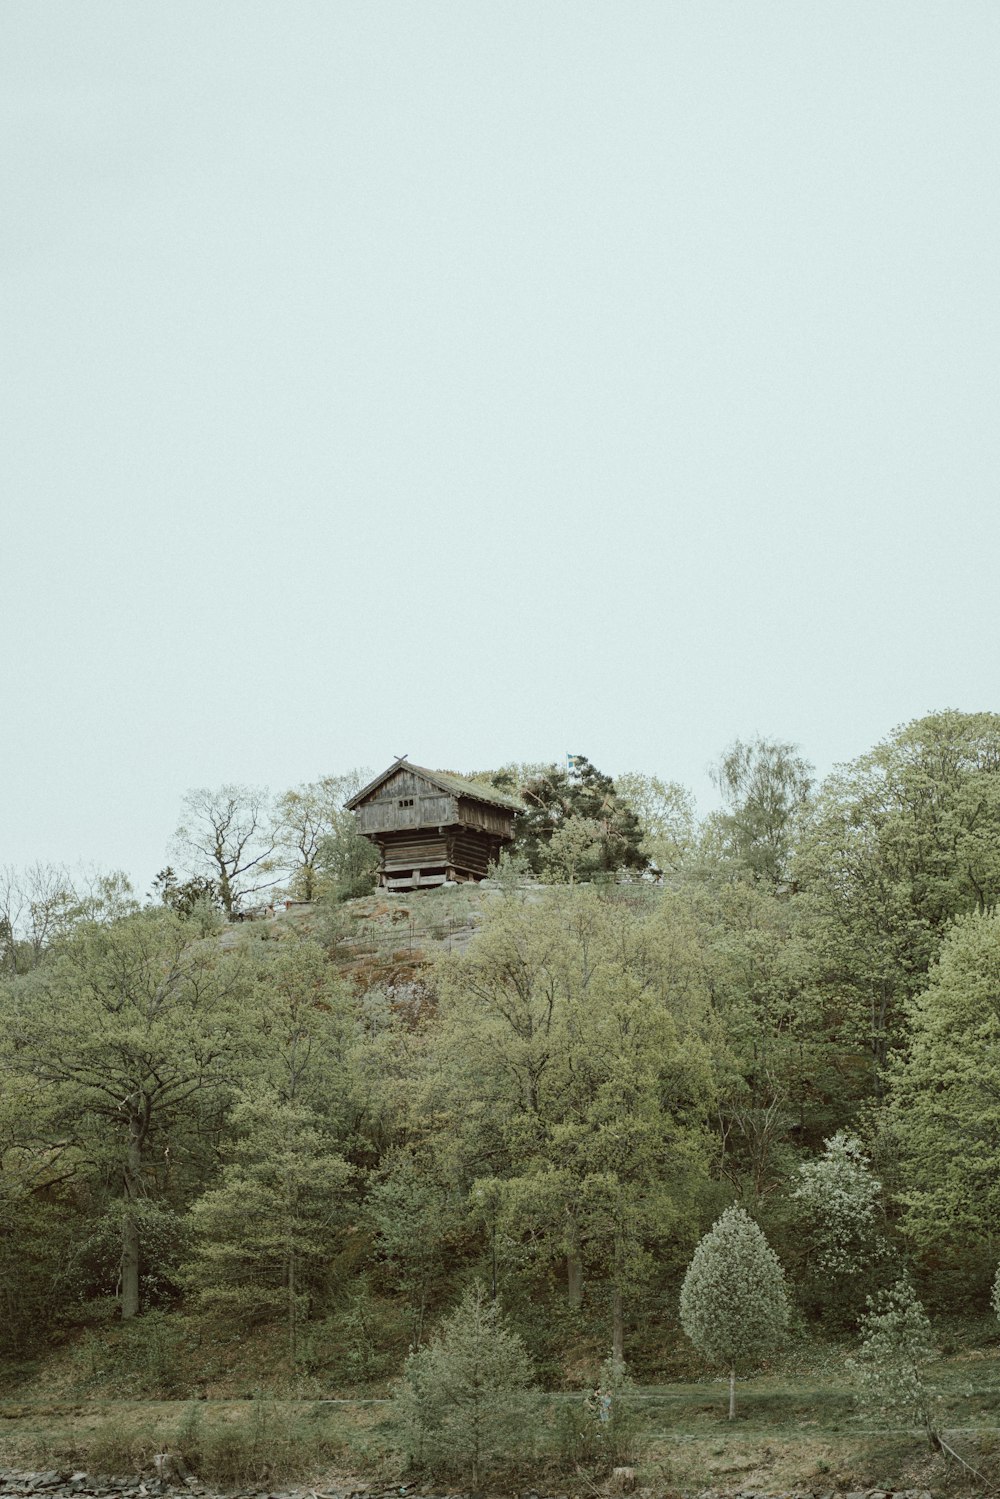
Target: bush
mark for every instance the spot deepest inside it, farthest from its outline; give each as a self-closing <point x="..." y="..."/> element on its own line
<point x="890" y="1363"/>
<point x="262" y="1447"/>
<point x="602" y="1429"/>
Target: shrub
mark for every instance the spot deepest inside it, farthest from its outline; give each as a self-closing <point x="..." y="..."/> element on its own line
<point x="890" y="1363"/>
<point x="601" y="1429"/>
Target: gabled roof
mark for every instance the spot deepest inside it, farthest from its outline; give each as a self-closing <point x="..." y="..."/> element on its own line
<point x="477" y="791"/>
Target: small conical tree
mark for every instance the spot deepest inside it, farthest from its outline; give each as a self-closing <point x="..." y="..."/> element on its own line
<point x="460" y="1404"/>
<point x="897" y="1344"/>
<point x="734" y="1307"/>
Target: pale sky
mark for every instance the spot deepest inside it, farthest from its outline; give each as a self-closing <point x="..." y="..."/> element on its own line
<point x="482" y="382"/>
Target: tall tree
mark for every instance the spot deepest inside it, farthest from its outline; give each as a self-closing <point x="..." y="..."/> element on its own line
<point x="37" y="905"/>
<point x="903" y="840"/>
<point x="229" y="835"/>
<point x="306" y="817"/>
<point x="765" y="786"/>
<point x="125" y="1031"/>
<point x="556" y="794"/>
<point x="944" y="1097"/>
<point x="665" y="810"/>
<point x="265" y="1236"/>
<point x="591" y="1080"/>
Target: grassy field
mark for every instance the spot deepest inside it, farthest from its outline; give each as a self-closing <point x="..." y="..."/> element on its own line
<point x="796" y="1427"/>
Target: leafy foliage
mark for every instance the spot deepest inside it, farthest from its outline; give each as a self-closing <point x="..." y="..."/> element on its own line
<point x="734" y="1306"/>
<point x="945" y="1092"/>
<point x="265" y="1236"/>
<point x="765" y="786"/>
<point x="838" y="1214"/>
<point x="610" y="837"/>
<point x="890" y="1365"/>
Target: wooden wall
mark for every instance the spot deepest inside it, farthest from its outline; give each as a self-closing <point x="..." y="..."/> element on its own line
<point x="432" y="833"/>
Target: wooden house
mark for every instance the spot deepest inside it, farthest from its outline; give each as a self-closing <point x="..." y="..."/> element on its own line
<point x="430" y="826"/>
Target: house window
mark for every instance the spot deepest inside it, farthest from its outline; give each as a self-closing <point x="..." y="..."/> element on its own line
<point x="407" y="803"/>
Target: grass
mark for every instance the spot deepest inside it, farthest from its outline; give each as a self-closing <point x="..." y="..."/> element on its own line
<point x="229" y="1444"/>
<point x="796" y="1427"/>
<point x="785" y="1436"/>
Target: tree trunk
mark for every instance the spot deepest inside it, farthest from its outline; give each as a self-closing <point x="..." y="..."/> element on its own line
<point x="130" y="1225"/>
<point x="574" y="1279"/>
<point x="732" y="1394"/>
<point x="293" y="1331"/>
<point x="617" y="1326"/>
<point x="574" y="1265"/>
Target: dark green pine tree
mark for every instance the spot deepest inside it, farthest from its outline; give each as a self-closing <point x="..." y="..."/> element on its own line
<point x="555" y="795"/>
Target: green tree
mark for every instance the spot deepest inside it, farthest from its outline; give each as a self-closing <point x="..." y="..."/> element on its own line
<point x="128" y="1030"/>
<point x="902" y="841"/>
<point x="460" y="1405"/>
<point x="576" y="1044"/>
<point x="666" y="813"/>
<point x="347" y="862"/>
<point x="734" y="1307"/>
<point x="198" y="895"/>
<point x="265" y="1236"/>
<point x="895" y="1350"/>
<point x="944" y="1098"/>
<point x="555" y="795"/>
<point x="307" y="818"/>
<point x="41" y="1220"/>
<point x="415" y="1216"/>
<point x="575" y="849"/>
<point x="765" y="787"/>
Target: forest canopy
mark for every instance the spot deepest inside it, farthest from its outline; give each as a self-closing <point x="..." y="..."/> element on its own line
<point x="331" y="1125"/>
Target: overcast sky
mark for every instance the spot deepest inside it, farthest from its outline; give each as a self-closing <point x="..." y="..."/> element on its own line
<point x="482" y="382"/>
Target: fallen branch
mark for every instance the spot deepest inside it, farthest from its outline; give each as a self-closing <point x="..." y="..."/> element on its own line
<point x="947" y="1448"/>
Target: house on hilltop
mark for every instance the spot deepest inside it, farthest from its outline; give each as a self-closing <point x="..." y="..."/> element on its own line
<point x="431" y="826"/>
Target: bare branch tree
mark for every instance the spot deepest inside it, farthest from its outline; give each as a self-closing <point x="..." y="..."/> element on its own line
<point x="37" y="904"/>
<point x="229" y="834"/>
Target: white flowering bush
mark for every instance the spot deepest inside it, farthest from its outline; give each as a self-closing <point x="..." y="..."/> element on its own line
<point x="838" y="1204"/>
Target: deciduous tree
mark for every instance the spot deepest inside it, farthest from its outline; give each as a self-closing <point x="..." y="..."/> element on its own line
<point x="765" y="787"/>
<point x="734" y="1307"/>
<point x="944" y="1100"/>
<point x="838" y="1214"/>
<point x="307" y="819"/>
<point x="230" y="836"/>
<point x="890" y="1364"/>
<point x="124" y="1030"/>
